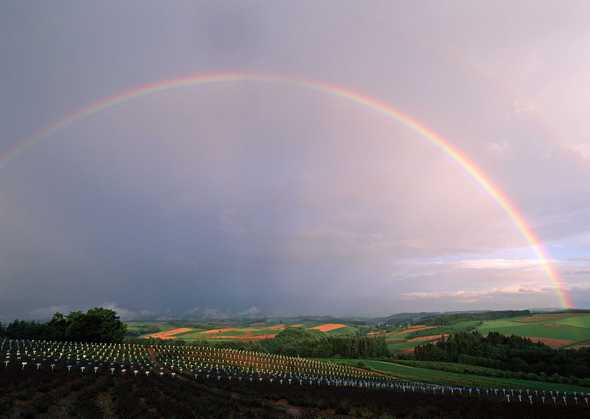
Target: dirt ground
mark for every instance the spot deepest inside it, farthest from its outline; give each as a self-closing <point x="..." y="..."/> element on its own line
<point x="329" y="327"/>
<point x="168" y="334"/>
<point x="554" y="343"/>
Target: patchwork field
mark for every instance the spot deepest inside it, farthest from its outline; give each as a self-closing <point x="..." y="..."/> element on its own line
<point x="199" y="332"/>
<point x="407" y="338"/>
<point x="170" y="334"/>
<point x="558" y="330"/>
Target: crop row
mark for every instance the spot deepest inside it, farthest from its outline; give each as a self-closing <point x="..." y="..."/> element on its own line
<point x="211" y="364"/>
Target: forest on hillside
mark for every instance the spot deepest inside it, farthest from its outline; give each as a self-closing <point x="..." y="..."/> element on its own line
<point x="511" y="353"/>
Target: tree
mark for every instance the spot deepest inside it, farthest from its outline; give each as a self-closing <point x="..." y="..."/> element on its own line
<point x="96" y="325"/>
<point x="510" y="353"/>
<point x="57" y="327"/>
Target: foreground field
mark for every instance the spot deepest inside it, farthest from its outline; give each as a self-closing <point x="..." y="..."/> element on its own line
<point x="63" y="379"/>
<point x="44" y="395"/>
<point x="459" y="378"/>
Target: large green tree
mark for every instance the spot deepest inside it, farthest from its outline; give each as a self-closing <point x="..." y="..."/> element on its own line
<point x="96" y="325"/>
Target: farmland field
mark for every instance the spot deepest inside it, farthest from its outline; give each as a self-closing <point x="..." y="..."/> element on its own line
<point x="407" y="338"/>
<point x="342" y="331"/>
<point x="569" y="329"/>
<point x="558" y="330"/>
<point x="171" y="333"/>
<point x="329" y="327"/>
<point x="199" y="332"/>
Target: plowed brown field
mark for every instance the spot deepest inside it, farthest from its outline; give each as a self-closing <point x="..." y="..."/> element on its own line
<point x="428" y="338"/>
<point x="244" y="337"/>
<point x="225" y="329"/>
<point x="328" y="327"/>
<point x="168" y="334"/>
<point x="554" y="343"/>
<point x="417" y="327"/>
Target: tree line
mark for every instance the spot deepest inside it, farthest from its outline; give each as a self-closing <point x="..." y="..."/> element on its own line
<point x="512" y="353"/>
<point x="295" y="341"/>
<point x="96" y="325"/>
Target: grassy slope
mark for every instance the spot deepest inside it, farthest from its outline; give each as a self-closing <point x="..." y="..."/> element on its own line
<point x="451" y="378"/>
<point x="397" y="340"/>
<point x="575" y="327"/>
<point x="189" y="333"/>
<point x="343" y="331"/>
<point x="501" y="323"/>
<point x="451" y="367"/>
<point x="456" y="327"/>
<point x="581" y="320"/>
<point x="400" y="346"/>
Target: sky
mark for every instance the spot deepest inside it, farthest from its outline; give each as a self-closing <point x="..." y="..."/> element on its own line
<point x="260" y="198"/>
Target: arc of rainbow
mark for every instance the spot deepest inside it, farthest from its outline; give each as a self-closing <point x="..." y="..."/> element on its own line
<point x="374" y="104"/>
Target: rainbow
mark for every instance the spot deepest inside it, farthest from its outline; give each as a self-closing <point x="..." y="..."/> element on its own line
<point x="334" y="90"/>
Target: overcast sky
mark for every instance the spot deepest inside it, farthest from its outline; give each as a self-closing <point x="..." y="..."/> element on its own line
<point x="259" y="197"/>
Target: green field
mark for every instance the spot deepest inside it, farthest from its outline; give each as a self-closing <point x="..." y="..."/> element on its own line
<point x="452" y="328"/>
<point x="406" y="372"/>
<point x="401" y="346"/>
<point x="571" y="329"/>
<point x="343" y="331"/>
<point x="404" y="339"/>
<point x="453" y="367"/>
<point x="574" y="327"/>
<point x="565" y="329"/>
<point x="582" y="320"/>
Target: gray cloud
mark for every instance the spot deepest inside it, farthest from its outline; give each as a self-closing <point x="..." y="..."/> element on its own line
<point x="244" y="195"/>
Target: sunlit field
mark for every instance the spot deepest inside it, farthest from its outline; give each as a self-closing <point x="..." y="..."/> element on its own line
<point x="196" y="332"/>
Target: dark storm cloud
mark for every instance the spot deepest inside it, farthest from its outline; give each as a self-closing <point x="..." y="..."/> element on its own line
<point x="257" y="198"/>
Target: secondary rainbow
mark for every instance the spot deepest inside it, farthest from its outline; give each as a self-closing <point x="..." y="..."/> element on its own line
<point x="372" y="103"/>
